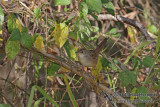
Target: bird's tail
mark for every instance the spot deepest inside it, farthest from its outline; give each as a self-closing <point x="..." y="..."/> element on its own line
<point x="101" y="45"/>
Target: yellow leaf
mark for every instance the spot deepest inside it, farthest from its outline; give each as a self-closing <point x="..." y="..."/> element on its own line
<point x="0" y="32"/>
<point x="39" y="45"/>
<point x="131" y="33"/>
<point x="19" y="25"/>
<point x="153" y="35"/>
<point x="73" y="53"/>
<point x="1" y="39"/>
<point x="50" y="78"/>
<point x="96" y="71"/>
<point x="64" y="69"/>
<point x="133" y="92"/>
<point x="98" y="66"/>
<point x="60" y="34"/>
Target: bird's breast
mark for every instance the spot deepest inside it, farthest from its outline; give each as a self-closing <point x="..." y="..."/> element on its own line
<point x="87" y="60"/>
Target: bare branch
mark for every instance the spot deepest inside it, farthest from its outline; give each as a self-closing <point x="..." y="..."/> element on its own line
<point x="74" y="69"/>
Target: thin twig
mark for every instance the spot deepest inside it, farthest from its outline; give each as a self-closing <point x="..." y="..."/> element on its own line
<point x="84" y="75"/>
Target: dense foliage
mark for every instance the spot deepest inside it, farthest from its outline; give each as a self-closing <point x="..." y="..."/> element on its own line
<point x="39" y="41"/>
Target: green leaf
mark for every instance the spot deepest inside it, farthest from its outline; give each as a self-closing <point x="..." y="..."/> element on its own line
<point x="139" y="47"/>
<point x="62" y="2"/>
<point x="73" y="35"/>
<point x="79" y="36"/>
<point x="15" y="35"/>
<point x="93" y="14"/>
<point x="12" y="49"/>
<point x="71" y="78"/>
<point x="112" y="66"/>
<point x="46" y="95"/>
<point x="70" y="92"/>
<point x="52" y="69"/>
<point x="142" y="90"/>
<point x="82" y="25"/>
<point x="158" y="41"/>
<point x="114" y="33"/>
<point x="151" y="69"/>
<point x="83" y="28"/>
<point x="58" y="75"/>
<point x="31" y="97"/>
<point x="128" y="77"/>
<point x="83" y="9"/>
<point x="4" y="105"/>
<point x="0" y="31"/>
<point x="34" y="37"/>
<point x="43" y="93"/>
<point x="24" y="30"/>
<point x="94" y="5"/>
<point x="95" y="28"/>
<point x="153" y="29"/>
<point x="113" y="30"/>
<point x="84" y="36"/>
<point x="11" y="22"/>
<point x="150" y="76"/>
<point x="37" y="12"/>
<point x="137" y="63"/>
<point x="141" y="105"/>
<point x="1" y="19"/>
<point x="37" y="103"/>
<point x="71" y="52"/>
<point x="1" y="16"/>
<point x="148" y="61"/>
<point x="26" y="40"/>
<point x="67" y="48"/>
<point x="109" y="80"/>
<point x="104" y="1"/>
<point x="104" y="62"/>
<point x="109" y="7"/>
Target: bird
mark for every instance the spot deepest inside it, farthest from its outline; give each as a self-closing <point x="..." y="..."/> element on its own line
<point x="89" y="58"/>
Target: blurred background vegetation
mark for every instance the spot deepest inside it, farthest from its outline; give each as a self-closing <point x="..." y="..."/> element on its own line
<point x="38" y="60"/>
